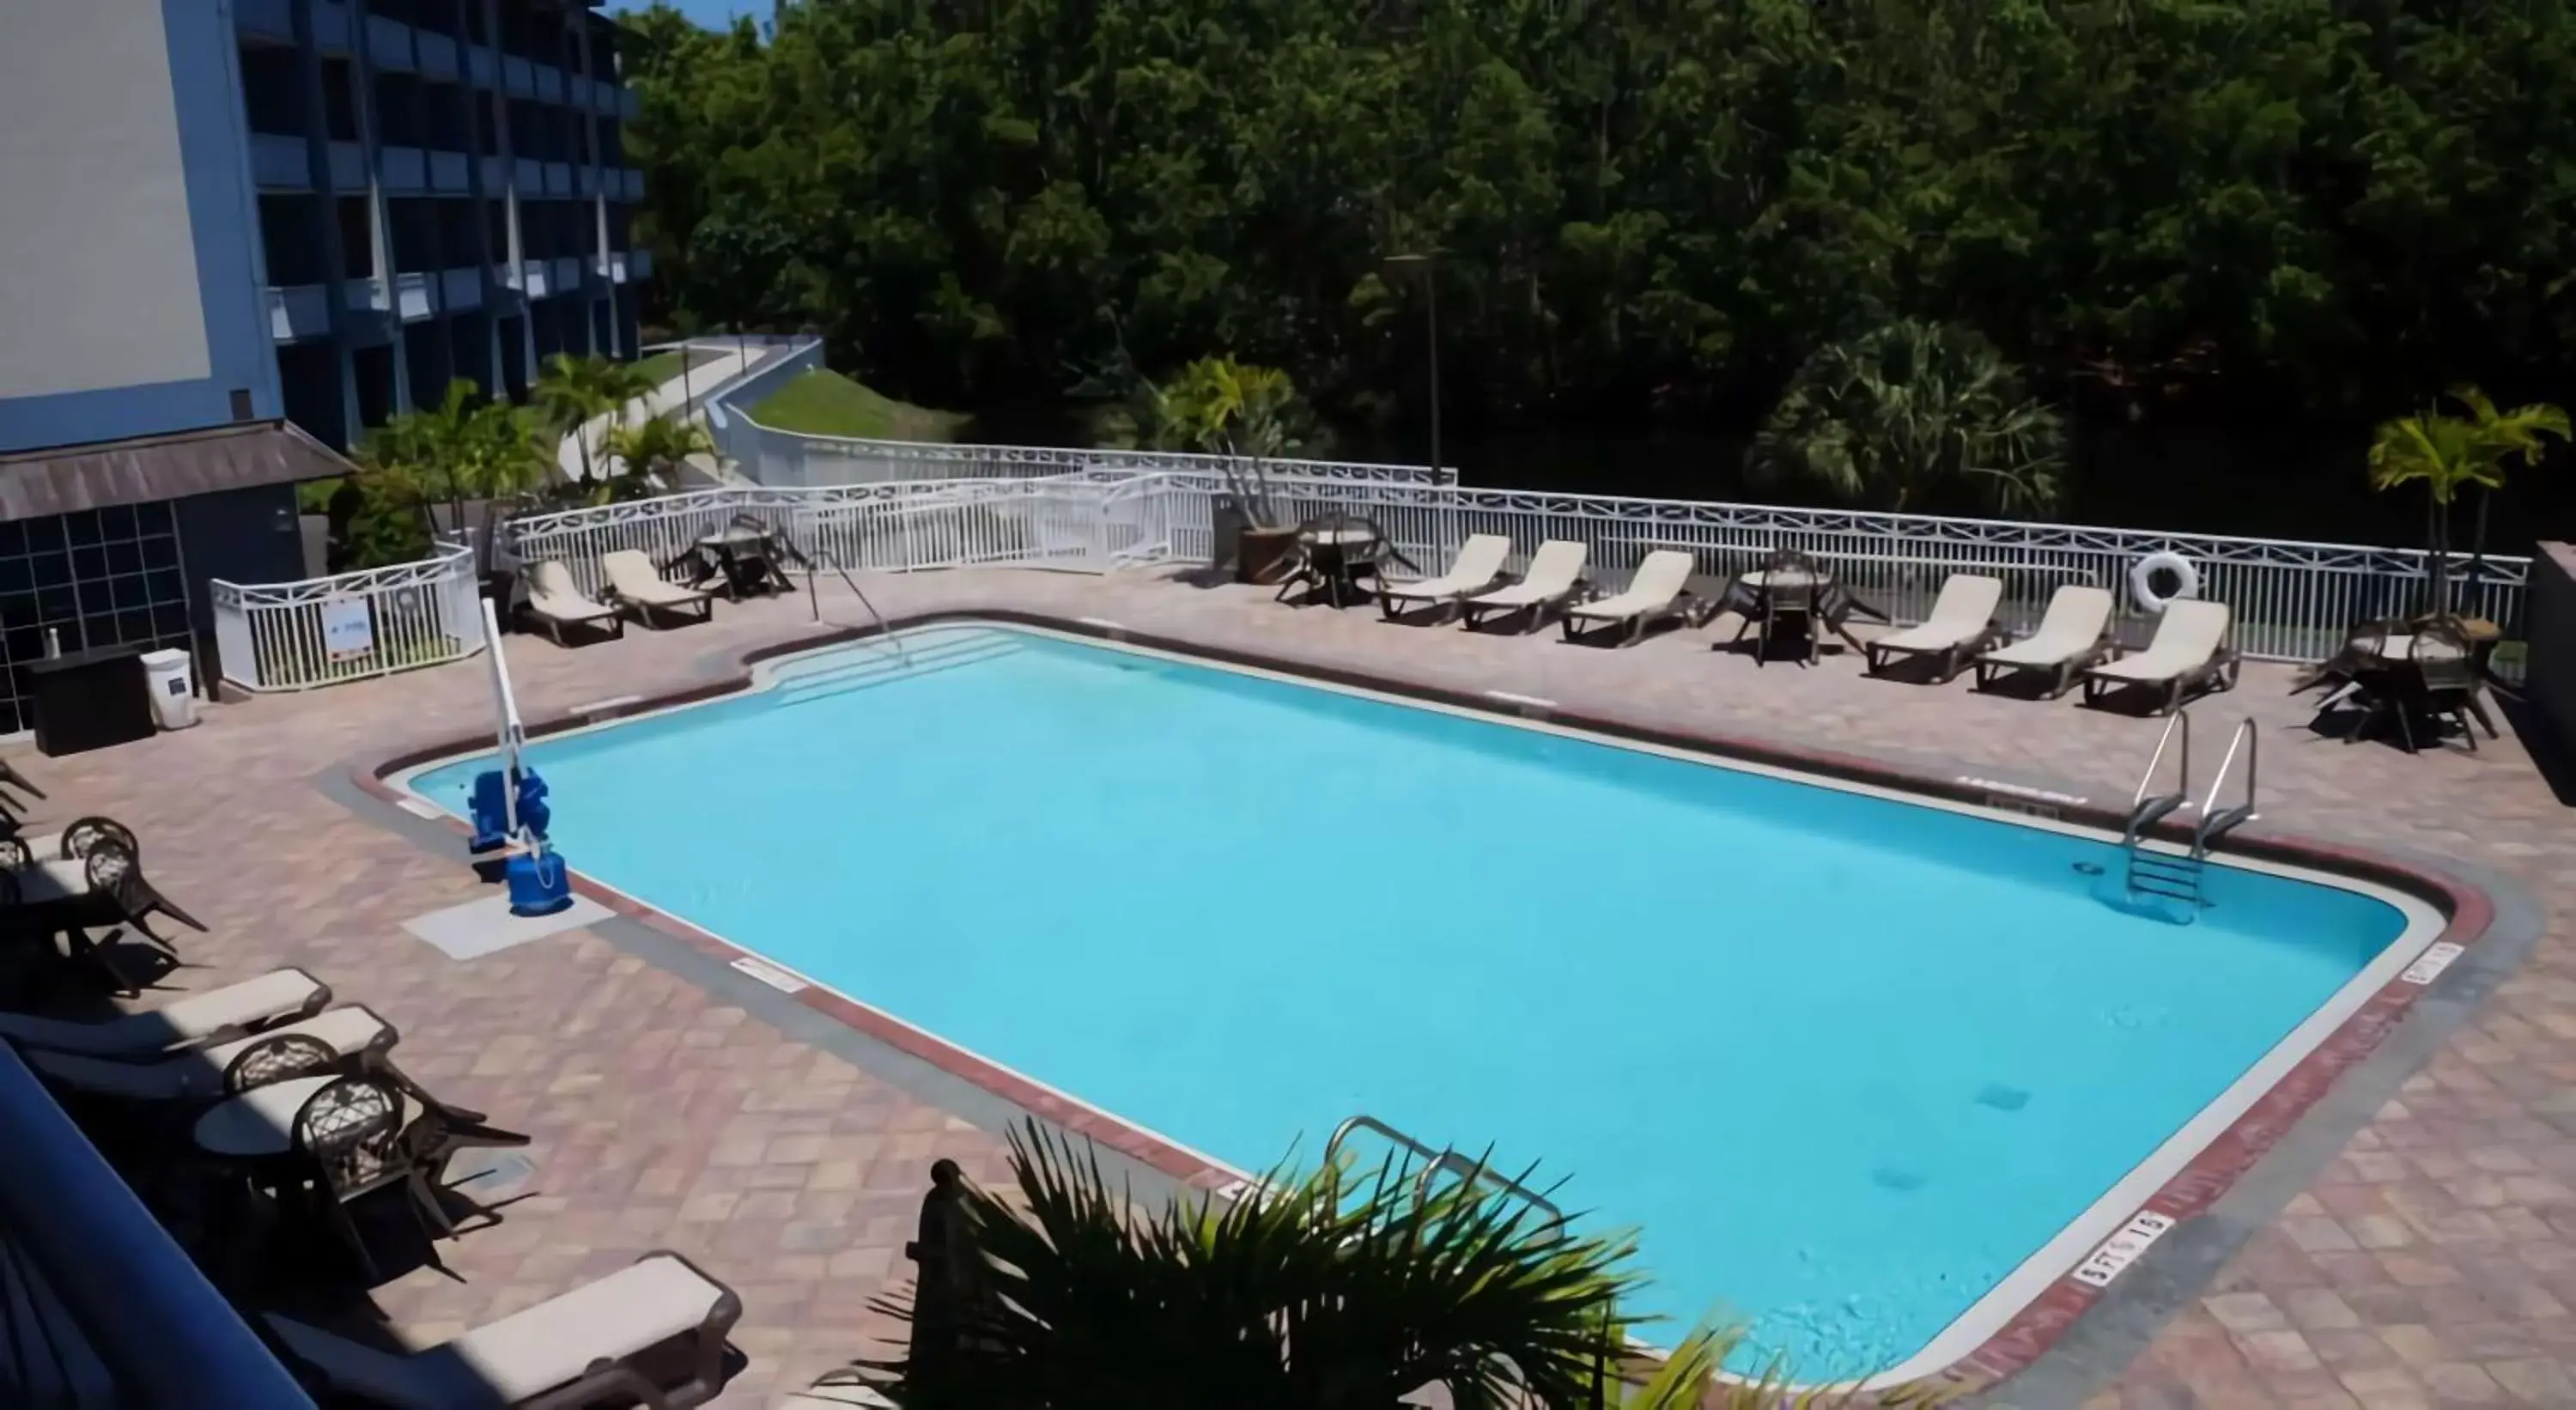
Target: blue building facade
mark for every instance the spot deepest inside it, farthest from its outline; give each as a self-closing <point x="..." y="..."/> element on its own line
<point x="234" y="234"/>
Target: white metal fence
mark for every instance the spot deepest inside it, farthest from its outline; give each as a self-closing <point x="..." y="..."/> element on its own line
<point x="2292" y="600"/>
<point x="321" y="631"/>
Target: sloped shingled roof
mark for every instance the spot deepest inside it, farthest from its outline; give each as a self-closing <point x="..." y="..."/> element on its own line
<point x="146" y="468"/>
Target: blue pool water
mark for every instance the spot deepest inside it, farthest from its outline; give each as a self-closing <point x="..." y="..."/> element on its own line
<point x="1843" y="1061"/>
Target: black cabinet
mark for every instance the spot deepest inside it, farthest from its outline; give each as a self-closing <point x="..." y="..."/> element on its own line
<point x="89" y="700"/>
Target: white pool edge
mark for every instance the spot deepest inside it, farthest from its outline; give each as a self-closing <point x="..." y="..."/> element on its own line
<point x="1991" y="1312"/>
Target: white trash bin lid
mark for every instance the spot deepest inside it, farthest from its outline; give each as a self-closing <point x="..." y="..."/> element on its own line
<point x="167" y="660"/>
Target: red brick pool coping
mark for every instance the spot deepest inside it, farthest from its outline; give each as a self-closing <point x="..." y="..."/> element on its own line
<point x="2016" y="1345"/>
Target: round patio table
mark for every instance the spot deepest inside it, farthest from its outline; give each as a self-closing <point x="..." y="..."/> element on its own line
<point x="1336" y="554"/>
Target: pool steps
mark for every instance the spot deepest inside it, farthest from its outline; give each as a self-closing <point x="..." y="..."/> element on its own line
<point x="2176" y="876"/>
<point x="892" y="659"/>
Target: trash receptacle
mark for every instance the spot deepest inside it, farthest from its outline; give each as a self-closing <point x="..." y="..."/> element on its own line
<point x="168" y="675"/>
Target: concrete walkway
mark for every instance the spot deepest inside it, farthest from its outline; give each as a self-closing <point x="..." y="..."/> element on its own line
<point x="729" y="361"/>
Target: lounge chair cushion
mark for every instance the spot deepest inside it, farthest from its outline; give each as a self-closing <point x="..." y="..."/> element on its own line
<point x="1964" y="611"/>
<point x="182" y="1022"/>
<point x="552" y="593"/>
<point x="631" y="576"/>
<point x="1553" y="571"/>
<point x="2076" y="618"/>
<point x="1479" y="561"/>
<point x="2188" y="638"/>
<point x="525" y="1354"/>
<point x="1657" y="582"/>
<point x="200" y="1074"/>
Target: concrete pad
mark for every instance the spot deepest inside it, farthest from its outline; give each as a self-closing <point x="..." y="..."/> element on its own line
<point x="485" y="926"/>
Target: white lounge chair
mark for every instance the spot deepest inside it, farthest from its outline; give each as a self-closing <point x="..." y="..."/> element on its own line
<point x="1962" y="624"/>
<point x="554" y="599"/>
<point x="1654" y="593"/>
<point x="583" y="1347"/>
<point x="633" y="582"/>
<point x="2188" y="654"/>
<point x="1555" y="575"/>
<point x="212" y="1017"/>
<point x="1478" y="564"/>
<point x="2073" y="635"/>
<point x="206" y="1073"/>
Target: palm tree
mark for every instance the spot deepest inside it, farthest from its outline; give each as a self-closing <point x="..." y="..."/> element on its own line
<point x="1909" y="414"/>
<point x="574" y="391"/>
<point x="651" y="452"/>
<point x="1340" y="1291"/>
<point x="1335" y="1293"/>
<point x="2450" y="453"/>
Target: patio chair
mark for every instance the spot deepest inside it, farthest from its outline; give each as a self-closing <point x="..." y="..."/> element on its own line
<point x="633" y="582"/>
<point x="351" y="1036"/>
<point x="651" y="1333"/>
<point x="1478" y="565"/>
<point x="555" y="600"/>
<point x="1555" y="576"/>
<point x="1962" y="624"/>
<point x="2189" y="654"/>
<point x="1654" y="593"/>
<point x="2073" y="636"/>
<point x="279" y="996"/>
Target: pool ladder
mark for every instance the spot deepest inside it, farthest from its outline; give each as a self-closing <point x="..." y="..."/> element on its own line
<point x="1434" y="1162"/>
<point x="2177" y="876"/>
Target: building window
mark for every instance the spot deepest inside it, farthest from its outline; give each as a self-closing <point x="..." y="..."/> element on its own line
<point x="340" y="100"/>
<point x="95" y="578"/>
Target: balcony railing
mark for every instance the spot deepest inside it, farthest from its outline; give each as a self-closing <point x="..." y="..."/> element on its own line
<point x="517" y="77"/>
<point x="437" y="54"/>
<point x="98" y="1307"/>
<point x="368" y="295"/>
<point x="567" y="274"/>
<point x="550" y="84"/>
<point x="450" y="171"/>
<point x="558" y="178"/>
<point x="298" y="311"/>
<point x="279" y="163"/>
<point x="266" y="19"/>
<point x="412" y="294"/>
<point x="461" y="288"/>
<point x="389" y="44"/>
<point x="348" y="167"/>
<point x="331" y="26"/>
<point x="478" y="65"/>
<point x="530" y="175"/>
<point x="639" y="264"/>
<point x="533" y="280"/>
<point x="405" y="170"/>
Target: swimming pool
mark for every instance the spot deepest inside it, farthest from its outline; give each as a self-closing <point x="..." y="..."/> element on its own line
<point x="1868" y="1071"/>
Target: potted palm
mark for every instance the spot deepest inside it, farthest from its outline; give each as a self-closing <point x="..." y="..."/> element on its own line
<point x="1248" y="416"/>
<point x="2447" y="454"/>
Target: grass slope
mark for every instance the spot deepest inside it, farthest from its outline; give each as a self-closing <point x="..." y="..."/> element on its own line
<point x="825" y="403"/>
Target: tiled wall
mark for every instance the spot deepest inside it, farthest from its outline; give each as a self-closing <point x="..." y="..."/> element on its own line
<point x="100" y="577"/>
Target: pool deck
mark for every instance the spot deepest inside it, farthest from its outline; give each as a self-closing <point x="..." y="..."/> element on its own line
<point x="2430" y="1261"/>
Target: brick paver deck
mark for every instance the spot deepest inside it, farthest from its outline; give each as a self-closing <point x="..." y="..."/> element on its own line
<point x="2432" y="1263"/>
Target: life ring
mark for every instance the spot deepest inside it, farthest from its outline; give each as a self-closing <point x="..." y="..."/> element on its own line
<point x="2143" y="575"/>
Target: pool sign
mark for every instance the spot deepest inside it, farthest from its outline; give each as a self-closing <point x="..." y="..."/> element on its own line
<point x="347" y="629"/>
<point x="2122" y="1249"/>
<point x="2429" y="965"/>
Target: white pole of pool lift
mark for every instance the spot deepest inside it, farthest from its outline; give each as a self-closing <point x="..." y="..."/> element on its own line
<point x="506" y="710"/>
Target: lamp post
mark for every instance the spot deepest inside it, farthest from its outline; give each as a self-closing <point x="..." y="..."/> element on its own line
<point x="1422" y="267"/>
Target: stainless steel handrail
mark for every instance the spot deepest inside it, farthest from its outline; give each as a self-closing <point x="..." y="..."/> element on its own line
<point x="1436" y="1161"/>
<point x="159" y="1327"/>
<point x="2212" y="821"/>
<point x="2145" y="810"/>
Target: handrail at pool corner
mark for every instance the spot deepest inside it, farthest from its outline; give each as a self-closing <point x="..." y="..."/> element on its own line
<point x="2212" y="821"/>
<point x="161" y="1330"/>
<point x="1433" y="1162"/>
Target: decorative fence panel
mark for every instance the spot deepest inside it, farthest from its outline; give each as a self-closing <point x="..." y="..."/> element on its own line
<point x="2293" y="601"/>
<point x="321" y="631"/>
